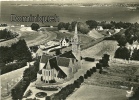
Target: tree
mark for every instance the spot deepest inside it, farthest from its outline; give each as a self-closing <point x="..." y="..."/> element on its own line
<point x="67" y="26"/>
<point x="35" y="26"/>
<point x="122" y="52"/>
<point x="81" y="78"/>
<point x="70" y="28"/>
<point x="92" y="24"/>
<point x="85" y="76"/>
<point x="57" y="52"/>
<point x="61" y="25"/>
<point x="94" y="69"/>
<point x="88" y="73"/>
<point x="73" y="25"/>
<point x="83" y="28"/>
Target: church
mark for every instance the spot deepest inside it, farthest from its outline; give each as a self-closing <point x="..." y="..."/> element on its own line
<point x="62" y="66"/>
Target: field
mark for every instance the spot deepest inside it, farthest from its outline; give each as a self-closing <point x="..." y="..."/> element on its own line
<point x="90" y="92"/>
<point x="94" y="34"/>
<point x="106" y="46"/>
<point x="11" y="79"/>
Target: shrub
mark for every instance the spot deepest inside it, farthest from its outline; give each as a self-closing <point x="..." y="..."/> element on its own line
<point x="91" y="70"/>
<point x="48" y="98"/>
<point x="99" y="65"/>
<point x="88" y="73"/>
<point x="47" y="88"/>
<point x="52" y="81"/>
<point x="94" y="69"/>
<point x="81" y="79"/>
<point x="85" y="76"/>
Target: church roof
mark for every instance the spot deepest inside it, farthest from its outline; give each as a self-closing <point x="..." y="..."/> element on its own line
<point x="68" y="54"/>
<point x="53" y="64"/>
<point x="61" y="74"/>
<point x="45" y="58"/>
<point x="62" y="61"/>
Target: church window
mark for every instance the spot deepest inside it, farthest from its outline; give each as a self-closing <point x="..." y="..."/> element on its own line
<point x="49" y="73"/>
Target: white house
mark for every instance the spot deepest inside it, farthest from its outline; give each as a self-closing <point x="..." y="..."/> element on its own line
<point x="64" y="42"/>
<point x="99" y="28"/>
<point x="22" y="25"/>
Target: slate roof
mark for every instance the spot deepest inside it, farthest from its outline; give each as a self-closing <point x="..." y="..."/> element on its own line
<point x="61" y="74"/>
<point x="68" y="54"/>
<point x="62" y="61"/>
<point x="67" y="40"/>
<point x="45" y="58"/>
<point x="53" y="64"/>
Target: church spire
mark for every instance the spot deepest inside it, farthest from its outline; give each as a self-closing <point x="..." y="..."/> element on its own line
<point x="76" y="29"/>
<point x="75" y="38"/>
<point x="75" y="44"/>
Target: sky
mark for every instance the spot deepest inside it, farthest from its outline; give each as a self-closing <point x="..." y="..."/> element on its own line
<point x="83" y="1"/>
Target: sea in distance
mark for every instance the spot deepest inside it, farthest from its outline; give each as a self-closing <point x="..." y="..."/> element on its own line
<point x="67" y="13"/>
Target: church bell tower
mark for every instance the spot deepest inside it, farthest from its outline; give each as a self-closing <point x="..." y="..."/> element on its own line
<point x="76" y="45"/>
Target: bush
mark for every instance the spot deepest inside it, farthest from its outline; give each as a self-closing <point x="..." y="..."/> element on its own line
<point x="48" y="98"/>
<point x="76" y="84"/>
<point x="85" y="76"/>
<point x="89" y="59"/>
<point x="52" y="81"/>
<point x="94" y="69"/>
<point x="91" y="70"/>
<point x="47" y="88"/>
<point x="81" y="79"/>
<point x="41" y="94"/>
<point x="88" y="73"/>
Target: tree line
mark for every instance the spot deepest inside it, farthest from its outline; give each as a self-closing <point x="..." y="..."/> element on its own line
<point x="14" y="57"/>
<point x="6" y="34"/>
<point x="82" y="27"/>
<point x="130" y="35"/>
<point x="29" y="75"/>
<point x="91" y="24"/>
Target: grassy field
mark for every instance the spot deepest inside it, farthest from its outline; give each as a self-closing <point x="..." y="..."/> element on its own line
<point x="95" y="34"/>
<point x="11" y="79"/>
<point x="106" y="46"/>
<point x="90" y="92"/>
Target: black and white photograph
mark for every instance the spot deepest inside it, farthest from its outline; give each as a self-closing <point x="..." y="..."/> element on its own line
<point x="69" y="49"/>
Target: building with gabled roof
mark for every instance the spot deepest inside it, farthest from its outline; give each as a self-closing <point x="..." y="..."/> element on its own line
<point x="44" y="59"/>
<point x="64" y="42"/>
<point x="62" y="66"/>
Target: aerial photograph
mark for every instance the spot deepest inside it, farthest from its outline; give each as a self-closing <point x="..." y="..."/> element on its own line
<point x="69" y="49"/>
